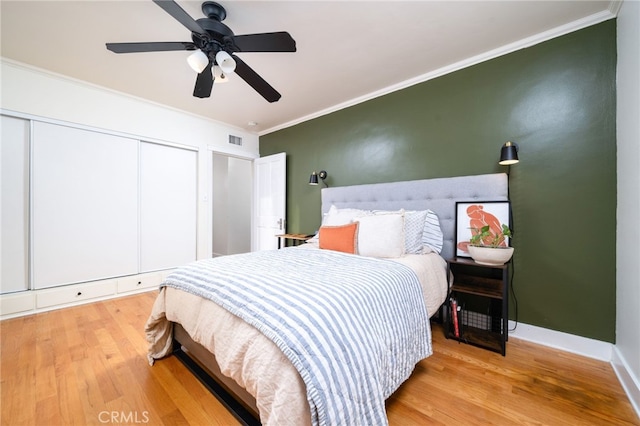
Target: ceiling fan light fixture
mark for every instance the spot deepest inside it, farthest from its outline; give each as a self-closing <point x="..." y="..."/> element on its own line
<point x="219" y="76"/>
<point x="226" y="63"/>
<point x="198" y="61"/>
<point x="209" y="37"/>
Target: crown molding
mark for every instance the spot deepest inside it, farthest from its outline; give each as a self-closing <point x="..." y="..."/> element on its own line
<point x="570" y="27"/>
<point x="614" y="7"/>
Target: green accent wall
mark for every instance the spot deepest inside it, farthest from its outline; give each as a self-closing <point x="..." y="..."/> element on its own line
<point x="556" y="100"/>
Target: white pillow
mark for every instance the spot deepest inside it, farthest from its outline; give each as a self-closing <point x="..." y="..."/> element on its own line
<point x="414" y="226"/>
<point x="381" y="235"/>
<point x="413" y="231"/>
<point x="432" y="234"/>
<point x="338" y="217"/>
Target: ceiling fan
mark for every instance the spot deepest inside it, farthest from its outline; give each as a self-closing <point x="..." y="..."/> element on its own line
<point x="215" y="44"/>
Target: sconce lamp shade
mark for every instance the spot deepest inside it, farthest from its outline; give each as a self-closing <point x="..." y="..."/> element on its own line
<point x="198" y="61"/>
<point x="313" y="179"/>
<point x="508" y="154"/>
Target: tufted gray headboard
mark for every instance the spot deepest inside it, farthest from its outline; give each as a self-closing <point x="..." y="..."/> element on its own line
<point x="439" y="195"/>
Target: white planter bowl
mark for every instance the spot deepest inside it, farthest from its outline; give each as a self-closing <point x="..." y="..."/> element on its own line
<point x="490" y="255"/>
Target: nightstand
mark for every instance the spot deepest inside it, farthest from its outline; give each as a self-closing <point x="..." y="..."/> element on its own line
<point x="479" y="294"/>
<point x="296" y="238"/>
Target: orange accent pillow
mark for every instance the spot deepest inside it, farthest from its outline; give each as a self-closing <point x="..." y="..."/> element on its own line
<point x="340" y="238"/>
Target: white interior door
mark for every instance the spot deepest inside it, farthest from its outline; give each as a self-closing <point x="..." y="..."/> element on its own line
<point x="270" y="200"/>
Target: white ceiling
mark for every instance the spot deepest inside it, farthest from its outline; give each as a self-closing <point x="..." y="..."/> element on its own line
<point x="347" y="51"/>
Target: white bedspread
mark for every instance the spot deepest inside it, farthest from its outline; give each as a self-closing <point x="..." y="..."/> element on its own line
<point x="254" y="361"/>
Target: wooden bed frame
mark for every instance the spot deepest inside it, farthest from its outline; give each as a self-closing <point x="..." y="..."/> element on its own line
<point x="439" y="195"/>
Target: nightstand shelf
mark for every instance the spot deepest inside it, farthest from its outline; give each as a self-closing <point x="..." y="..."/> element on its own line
<point x="482" y="338"/>
<point x="481" y="295"/>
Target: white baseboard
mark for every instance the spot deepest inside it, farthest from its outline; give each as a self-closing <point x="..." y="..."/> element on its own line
<point x="564" y="341"/>
<point x="584" y="346"/>
<point x="630" y="384"/>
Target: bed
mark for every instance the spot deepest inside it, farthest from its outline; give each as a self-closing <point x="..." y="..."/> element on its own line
<point x="232" y="335"/>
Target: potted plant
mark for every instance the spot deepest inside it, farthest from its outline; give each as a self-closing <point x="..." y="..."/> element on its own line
<point x="489" y="246"/>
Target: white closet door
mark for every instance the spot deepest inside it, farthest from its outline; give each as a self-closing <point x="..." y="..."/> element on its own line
<point x="84" y="205"/>
<point x="168" y="200"/>
<point x="14" y="182"/>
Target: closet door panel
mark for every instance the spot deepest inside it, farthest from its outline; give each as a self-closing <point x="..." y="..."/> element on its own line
<point x="84" y="205"/>
<point x="168" y="200"/>
<point x="14" y="200"/>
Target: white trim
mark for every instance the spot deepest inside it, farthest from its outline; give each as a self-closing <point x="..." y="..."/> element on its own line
<point x="233" y="152"/>
<point x="474" y="60"/>
<point x="20" y="304"/>
<point x="614" y="7"/>
<point x="584" y="346"/>
<point x="33" y="118"/>
<point x="81" y="83"/>
<point x="35" y="310"/>
<point x="579" y="345"/>
<point x="629" y="383"/>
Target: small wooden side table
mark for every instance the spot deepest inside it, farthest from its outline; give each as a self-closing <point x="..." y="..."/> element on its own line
<point x="296" y="238"/>
<point x="482" y="298"/>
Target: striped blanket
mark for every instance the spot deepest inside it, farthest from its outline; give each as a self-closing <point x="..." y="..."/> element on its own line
<point x="354" y="327"/>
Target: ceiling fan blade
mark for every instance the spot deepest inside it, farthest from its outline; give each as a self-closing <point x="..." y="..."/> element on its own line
<point x="204" y="83"/>
<point x="173" y="9"/>
<point x="150" y="47"/>
<point x="255" y="81"/>
<point x="265" y="42"/>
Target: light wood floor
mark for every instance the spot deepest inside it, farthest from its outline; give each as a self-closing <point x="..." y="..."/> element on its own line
<point x="86" y="365"/>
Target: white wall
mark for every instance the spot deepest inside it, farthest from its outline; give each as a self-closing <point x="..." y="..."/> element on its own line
<point x="627" y="349"/>
<point x="219" y="204"/>
<point x="240" y="202"/>
<point x="231" y="201"/>
<point x="37" y="93"/>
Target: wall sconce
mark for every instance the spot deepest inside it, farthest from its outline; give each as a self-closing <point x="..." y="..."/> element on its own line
<point x="313" y="179"/>
<point x="508" y="154"/>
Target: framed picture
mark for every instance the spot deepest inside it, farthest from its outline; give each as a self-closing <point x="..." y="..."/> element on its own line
<point x="472" y="215"/>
